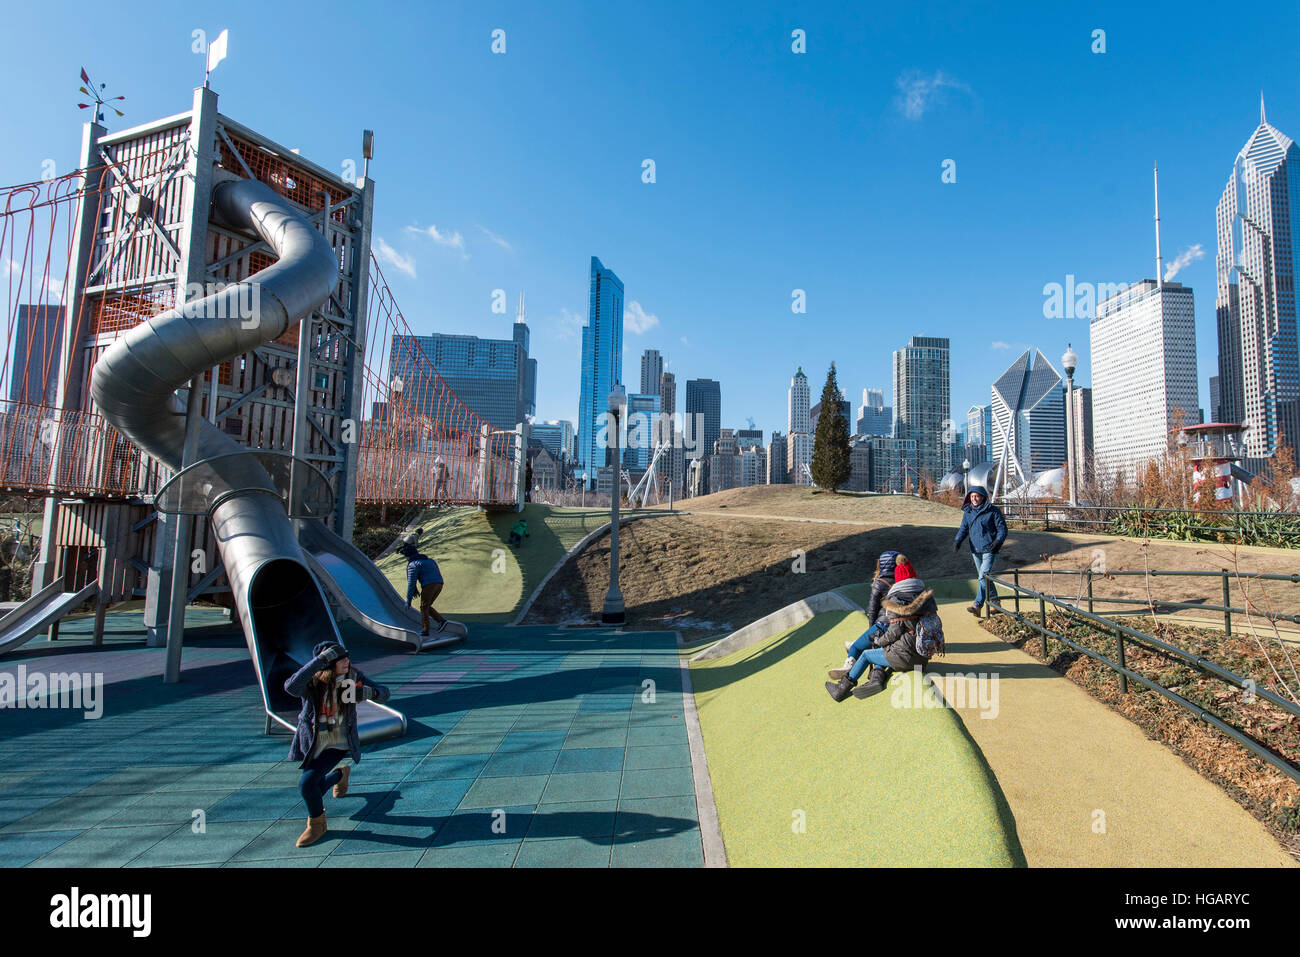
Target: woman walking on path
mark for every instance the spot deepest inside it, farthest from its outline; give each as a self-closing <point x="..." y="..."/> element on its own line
<point x="327" y="728"/>
<point x="986" y="527"/>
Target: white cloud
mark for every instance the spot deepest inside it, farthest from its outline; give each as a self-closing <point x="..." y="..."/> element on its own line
<point x="918" y="91"/>
<point x="684" y="342"/>
<point x="504" y="244"/>
<point x="453" y="239"/>
<point x="1183" y="260"/>
<point x="387" y="254"/>
<point x="637" y="319"/>
<point x="999" y="344"/>
<point x="570" y="324"/>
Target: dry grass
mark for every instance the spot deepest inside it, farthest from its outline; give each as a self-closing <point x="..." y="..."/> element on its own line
<point x="716" y="570"/>
<point x="797" y="501"/>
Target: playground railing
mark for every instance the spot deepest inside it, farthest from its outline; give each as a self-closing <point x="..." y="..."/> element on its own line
<point x="1124" y="636"/>
<point x="1087" y="577"/>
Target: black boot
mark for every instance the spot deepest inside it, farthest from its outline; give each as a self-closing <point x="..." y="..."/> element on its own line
<point x="875" y="684"/>
<point x="839" y="690"/>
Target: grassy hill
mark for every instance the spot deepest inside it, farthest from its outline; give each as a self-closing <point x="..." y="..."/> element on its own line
<point x="486" y="579"/>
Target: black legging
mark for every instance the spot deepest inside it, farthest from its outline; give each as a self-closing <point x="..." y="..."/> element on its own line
<point x="318" y="777"/>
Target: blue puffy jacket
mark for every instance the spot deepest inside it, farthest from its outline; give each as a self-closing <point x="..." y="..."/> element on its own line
<point x="986" y="526"/>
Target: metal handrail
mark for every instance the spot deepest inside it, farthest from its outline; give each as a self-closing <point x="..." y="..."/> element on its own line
<point x="1224" y="574"/>
<point x="1198" y="662"/>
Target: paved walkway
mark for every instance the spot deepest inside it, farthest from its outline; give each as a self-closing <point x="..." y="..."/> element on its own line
<point x="527" y="747"/>
<point x="1068" y="765"/>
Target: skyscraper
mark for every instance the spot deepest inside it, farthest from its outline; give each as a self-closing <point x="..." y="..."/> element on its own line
<point x="602" y="363"/>
<point x="874" y="417"/>
<point x="520" y="333"/>
<point x="703" y="420"/>
<point x="798" y="446"/>
<point x="1028" y="411"/>
<point x="491" y="376"/>
<point x="652" y="367"/>
<point x="1258" y="220"/>
<point x="1143" y="344"/>
<point x="979" y="433"/>
<point x="922" y="403"/>
<point x="642" y="423"/>
<point x="776" y="474"/>
<point x="557" y="436"/>
<point x="675" y="464"/>
<point x="33" y="375"/>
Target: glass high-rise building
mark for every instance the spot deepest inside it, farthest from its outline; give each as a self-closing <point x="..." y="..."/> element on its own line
<point x="602" y="364"/>
<point x="704" y="415"/>
<point x="652" y="367"/>
<point x="874" y="417"/>
<point x="520" y="334"/>
<point x="642" y="422"/>
<point x="1028" y="412"/>
<point x="1258" y="227"/>
<point x="557" y="436"/>
<point x="491" y="376"/>
<point x="922" y="403"/>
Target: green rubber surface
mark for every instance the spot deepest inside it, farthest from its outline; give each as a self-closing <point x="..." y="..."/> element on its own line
<point x="486" y="579"/>
<point x="800" y="781"/>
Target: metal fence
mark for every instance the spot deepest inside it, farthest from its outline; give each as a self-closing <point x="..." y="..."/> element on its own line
<point x="1124" y="635"/>
<point x="1086" y="592"/>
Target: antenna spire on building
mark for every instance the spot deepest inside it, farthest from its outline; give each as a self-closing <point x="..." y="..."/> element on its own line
<point x="1160" y="275"/>
<point x="520" y="316"/>
<point x="1261" y="108"/>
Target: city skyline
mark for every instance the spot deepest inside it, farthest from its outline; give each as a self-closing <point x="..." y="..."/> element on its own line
<point x="731" y="226"/>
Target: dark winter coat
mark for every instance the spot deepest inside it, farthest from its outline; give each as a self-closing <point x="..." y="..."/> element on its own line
<point x="986" y="526"/>
<point x="881" y="584"/>
<point x="304" y="737"/>
<point x="904" y="608"/>
<point x="421" y="570"/>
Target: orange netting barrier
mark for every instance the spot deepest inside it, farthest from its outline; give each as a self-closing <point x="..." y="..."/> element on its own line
<point x="417" y="441"/>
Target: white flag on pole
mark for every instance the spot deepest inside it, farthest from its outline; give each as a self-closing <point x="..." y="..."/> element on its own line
<point x="217" y="50"/>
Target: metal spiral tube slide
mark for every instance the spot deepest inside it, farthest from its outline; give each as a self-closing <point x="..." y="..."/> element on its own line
<point x="280" y="603"/>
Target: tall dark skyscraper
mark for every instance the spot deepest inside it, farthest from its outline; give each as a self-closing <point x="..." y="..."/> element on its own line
<point x="703" y="414"/>
<point x="38" y="336"/>
<point x="652" y="367"/>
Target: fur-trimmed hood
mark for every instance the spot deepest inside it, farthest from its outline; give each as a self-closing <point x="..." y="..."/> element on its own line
<point x="911" y="609"/>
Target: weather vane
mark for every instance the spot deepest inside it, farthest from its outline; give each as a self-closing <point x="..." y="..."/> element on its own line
<point x="98" y="94"/>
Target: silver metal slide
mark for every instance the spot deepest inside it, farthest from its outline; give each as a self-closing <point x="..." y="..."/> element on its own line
<point x="25" y="622"/>
<point x="363" y="591"/>
<point x="280" y="603"/>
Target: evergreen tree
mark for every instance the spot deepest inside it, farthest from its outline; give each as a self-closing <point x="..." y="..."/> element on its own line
<point x="830" y="458"/>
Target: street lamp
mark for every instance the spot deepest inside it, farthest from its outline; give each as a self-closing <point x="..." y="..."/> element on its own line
<point x="614" y="613"/>
<point x="1070" y="361"/>
<point x="584" y="489"/>
<point x="965" y="475"/>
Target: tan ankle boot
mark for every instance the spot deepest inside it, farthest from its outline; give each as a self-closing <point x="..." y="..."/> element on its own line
<point x="315" y="831"/>
<point x="341" y="789"/>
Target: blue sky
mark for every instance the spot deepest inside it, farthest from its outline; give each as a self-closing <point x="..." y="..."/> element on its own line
<point x="775" y="171"/>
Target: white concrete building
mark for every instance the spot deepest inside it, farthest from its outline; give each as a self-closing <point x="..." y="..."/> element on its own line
<point x="1143" y="343"/>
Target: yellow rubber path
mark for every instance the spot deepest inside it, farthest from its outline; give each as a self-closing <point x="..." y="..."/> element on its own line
<point x="1086" y="786"/>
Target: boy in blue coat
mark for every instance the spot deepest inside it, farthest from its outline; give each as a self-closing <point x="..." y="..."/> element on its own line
<point x="984" y="524"/>
<point x="422" y="571"/>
